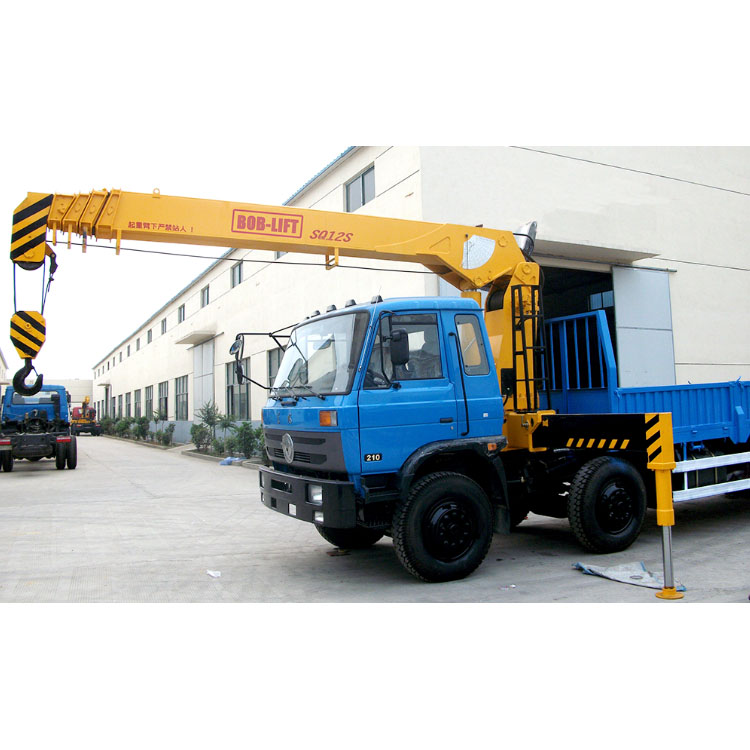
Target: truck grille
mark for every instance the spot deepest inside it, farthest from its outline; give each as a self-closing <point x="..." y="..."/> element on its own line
<point x="299" y="457"/>
<point x="316" y="450"/>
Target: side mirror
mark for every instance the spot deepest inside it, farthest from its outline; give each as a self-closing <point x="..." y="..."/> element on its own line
<point x="236" y="349"/>
<point x="399" y="347"/>
<point x="238" y="371"/>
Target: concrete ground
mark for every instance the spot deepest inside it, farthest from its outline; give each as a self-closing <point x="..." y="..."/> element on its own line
<point x="137" y="524"/>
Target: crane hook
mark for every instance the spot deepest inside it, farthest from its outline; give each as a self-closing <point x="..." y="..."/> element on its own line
<point x="19" y="385"/>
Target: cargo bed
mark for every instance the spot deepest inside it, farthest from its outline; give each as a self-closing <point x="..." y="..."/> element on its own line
<point x="710" y="421"/>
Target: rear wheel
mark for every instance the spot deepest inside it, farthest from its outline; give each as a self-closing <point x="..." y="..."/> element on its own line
<point x="61" y="451"/>
<point x="6" y="461"/>
<point x="72" y="457"/>
<point x="607" y="504"/>
<point x="443" y="530"/>
<point x="357" y="538"/>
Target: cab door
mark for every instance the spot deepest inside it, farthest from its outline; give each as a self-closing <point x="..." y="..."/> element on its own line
<point x="480" y="406"/>
<point x="405" y="407"/>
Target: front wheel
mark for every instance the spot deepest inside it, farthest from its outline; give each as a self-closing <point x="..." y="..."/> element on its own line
<point x="607" y="504"/>
<point x="357" y="538"/>
<point x="443" y="530"/>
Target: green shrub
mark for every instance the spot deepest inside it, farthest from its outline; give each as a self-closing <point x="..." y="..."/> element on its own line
<point x="260" y="441"/>
<point x="166" y="436"/>
<point x="230" y="445"/>
<point x="210" y="416"/>
<point x="140" y="428"/>
<point x="108" y="425"/>
<point x="200" y="434"/>
<point x="217" y="447"/>
<point x="245" y="436"/>
<point x="122" y="428"/>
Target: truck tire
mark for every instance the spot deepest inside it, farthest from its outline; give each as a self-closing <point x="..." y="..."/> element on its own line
<point x="6" y="461"/>
<point x="356" y="538"/>
<point x="443" y="530"/>
<point x="607" y="504"/>
<point x="72" y="453"/>
<point x="61" y="452"/>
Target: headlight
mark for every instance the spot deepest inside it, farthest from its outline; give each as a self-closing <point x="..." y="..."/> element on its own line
<point x="315" y="494"/>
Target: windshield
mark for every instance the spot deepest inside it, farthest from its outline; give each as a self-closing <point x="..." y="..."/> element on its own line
<point x="43" y="398"/>
<point x="322" y="355"/>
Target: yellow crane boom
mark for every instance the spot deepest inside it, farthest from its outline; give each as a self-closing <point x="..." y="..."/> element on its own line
<point x="469" y="258"/>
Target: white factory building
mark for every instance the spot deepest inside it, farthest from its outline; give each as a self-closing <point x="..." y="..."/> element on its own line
<point x="655" y="236"/>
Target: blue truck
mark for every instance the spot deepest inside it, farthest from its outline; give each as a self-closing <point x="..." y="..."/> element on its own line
<point x="36" y="427"/>
<point x="390" y="419"/>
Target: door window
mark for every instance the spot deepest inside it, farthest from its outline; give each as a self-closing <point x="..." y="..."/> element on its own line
<point x="424" y="363"/>
<point x="473" y="353"/>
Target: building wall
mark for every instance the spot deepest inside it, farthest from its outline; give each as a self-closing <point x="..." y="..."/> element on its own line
<point x="683" y="224"/>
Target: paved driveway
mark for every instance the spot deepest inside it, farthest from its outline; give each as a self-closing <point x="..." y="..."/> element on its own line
<point x="138" y="524"/>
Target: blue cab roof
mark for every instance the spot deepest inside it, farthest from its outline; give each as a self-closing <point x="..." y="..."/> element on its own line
<point x="399" y="304"/>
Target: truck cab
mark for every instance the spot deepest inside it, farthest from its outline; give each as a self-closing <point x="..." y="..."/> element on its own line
<point x="36" y="427"/>
<point x="375" y="404"/>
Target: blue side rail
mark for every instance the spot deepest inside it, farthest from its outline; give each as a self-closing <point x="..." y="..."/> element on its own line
<point x="583" y="380"/>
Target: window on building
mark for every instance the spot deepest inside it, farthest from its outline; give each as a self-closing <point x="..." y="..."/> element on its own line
<point x="163" y="325"/>
<point x="601" y="300"/>
<point x="238" y="396"/>
<point x="112" y="407"/>
<point x="108" y="364"/>
<point x="204" y="296"/>
<point x="119" y="406"/>
<point x="163" y="405"/>
<point x="181" y="397"/>
<point x="360" y="190"/>
<point x="180" y="313"/>
<point x="137" y="345"/>
<point x="137" y="404"/>
<point x="148" y="402"/>
<point x="128" y="350"/>
<point x="149" y="336"/>
<point x="127" y="405"/>
<point x="236" y="274"/>
<point x="274" y="360"/>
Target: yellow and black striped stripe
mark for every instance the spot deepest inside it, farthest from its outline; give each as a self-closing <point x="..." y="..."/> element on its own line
<point x="27" y="332"/>
<point x="27" y="245"/>
<point x="601" y="443"/>
<point x="659" y="439"/>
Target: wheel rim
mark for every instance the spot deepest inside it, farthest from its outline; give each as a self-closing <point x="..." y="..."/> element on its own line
<point x="614" y="508"/>
<point x="450" y="530"/>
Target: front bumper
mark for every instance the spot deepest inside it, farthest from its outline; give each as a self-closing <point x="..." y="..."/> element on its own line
<point x="289" y="494"/>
